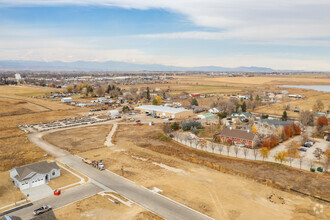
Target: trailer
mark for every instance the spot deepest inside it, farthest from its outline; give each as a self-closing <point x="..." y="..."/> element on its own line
<point x="97" y="164"/>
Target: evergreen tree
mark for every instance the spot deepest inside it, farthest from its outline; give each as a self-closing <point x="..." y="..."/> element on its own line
<point x="148" y="94"/>
<point x="175" y="126"/>
<point x="108" y="89"/>
<point x="243" y="106"/>
<point x="284" y="116"/>
<point x="194" y="102"/>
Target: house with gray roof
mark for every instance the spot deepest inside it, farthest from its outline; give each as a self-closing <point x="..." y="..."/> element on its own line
<point x="34" y="174"/>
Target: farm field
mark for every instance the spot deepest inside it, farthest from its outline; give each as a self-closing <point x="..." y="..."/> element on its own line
<point x="79" y="139"/>
<point x="302" y="104"/>
<point x="209" y="191"/>
<point x="98" y="207"/>
<point x="240" y="85"/>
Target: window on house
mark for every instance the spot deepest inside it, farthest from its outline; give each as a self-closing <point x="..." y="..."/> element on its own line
<point x="53" y="173"/>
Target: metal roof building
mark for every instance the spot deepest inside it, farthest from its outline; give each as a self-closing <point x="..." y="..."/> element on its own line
<point x="169" y="112"/>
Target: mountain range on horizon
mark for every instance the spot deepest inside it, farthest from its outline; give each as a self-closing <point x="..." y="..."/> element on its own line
<point x="7" y="65"/>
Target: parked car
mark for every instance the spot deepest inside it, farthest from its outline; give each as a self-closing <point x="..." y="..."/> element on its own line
<point x="307" y="145"/>
<point x="42" y="209"/>
<point x="138" y="120"/>
<point x="328" y="139"/>
<point x="132" y="119"/>
<point x="170" y="119"/>
<point x="302" y="149"/>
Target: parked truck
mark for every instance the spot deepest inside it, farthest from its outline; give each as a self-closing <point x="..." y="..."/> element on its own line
<point x="97" y="164"/>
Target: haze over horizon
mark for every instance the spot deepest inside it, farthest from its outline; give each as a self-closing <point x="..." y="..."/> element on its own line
<point x="280" y="35"/>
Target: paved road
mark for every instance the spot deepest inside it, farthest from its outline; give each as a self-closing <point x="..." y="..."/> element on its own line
<point x="67" y="197"/>
<point x="154" y="202"/>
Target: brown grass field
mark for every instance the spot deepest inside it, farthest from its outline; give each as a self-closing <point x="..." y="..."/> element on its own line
<point x="8" y="192"/>
<point x="210" y="191"/>
<point x="18" y="108"/>
<point x="237" y="85"/>
<point x="98" y="207"/>
<point x="65" y="179"/>
<point x="80" y="139"/>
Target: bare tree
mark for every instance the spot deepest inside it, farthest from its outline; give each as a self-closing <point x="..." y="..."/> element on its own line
<point x="196" y="144"/>
<point x="220" y="148"/>
<point x="100" y="92"/>
<point x="255" y="153"/>
<point x="291" y="159"/>
<point x="228" y="149"/>
<point x="212" y="146"/>
<point x="300" y="160"/>
<point x="191" y="141"/>
<point x="245" y="151"/>
<point x="311" y="163"/>
<point x="318" y="153"/>
<point x="306" y="118"/>
<point x="236" y="150"/>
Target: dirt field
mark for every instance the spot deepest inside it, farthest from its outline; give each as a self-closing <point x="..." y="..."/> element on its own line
<point x="99" y="207"/>
<point x="8" y="192"/>
<point x="80" y="139"/>
<point x="209" y="191"/>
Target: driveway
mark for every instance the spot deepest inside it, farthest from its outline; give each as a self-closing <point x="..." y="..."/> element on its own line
<point x="38" y="192"/>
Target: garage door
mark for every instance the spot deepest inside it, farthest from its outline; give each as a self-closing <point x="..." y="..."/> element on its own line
<point x="24" y="186"/>
<point x="37" y="183"/>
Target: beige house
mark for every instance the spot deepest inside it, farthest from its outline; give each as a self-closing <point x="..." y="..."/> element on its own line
<point x="168" y="112"/>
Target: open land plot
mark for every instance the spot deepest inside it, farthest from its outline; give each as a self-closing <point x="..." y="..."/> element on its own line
<point x="275" y="173"/>
<point x="99" y="207"/>
<point x="25" y="94"/>
<point x="19" y="109"/>
<point x="189" y="180"/>
<point x="182" y="87"/>
<point x="79" y="139"/>
<point x="8" y="192"/>
<point x="302" y="104"/>
<point x="252" y="81"/>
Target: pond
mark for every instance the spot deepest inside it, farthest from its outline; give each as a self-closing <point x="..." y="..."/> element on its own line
<point x="320" y="88"/>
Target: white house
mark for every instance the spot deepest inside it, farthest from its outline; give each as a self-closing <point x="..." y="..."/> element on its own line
<point x="66" y="100"/>
<point x="101" y="99"/>
<point x="35" y="174"/>
<point x="113" y="112"/>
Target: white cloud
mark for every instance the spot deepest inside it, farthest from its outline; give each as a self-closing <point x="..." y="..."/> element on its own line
<point x="244" y="19"/>
<point x="293" y="22"/>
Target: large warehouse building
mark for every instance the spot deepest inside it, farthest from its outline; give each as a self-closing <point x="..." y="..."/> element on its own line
<point x="168" y="112"/>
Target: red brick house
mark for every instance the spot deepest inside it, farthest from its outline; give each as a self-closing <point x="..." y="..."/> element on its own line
<point x="237" y="136"/>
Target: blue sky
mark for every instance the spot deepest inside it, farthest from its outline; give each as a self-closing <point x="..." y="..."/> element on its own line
<point x="228" y="33"/>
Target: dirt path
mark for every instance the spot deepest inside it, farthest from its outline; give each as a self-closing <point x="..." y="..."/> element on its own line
<point x="108" y="141"/>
